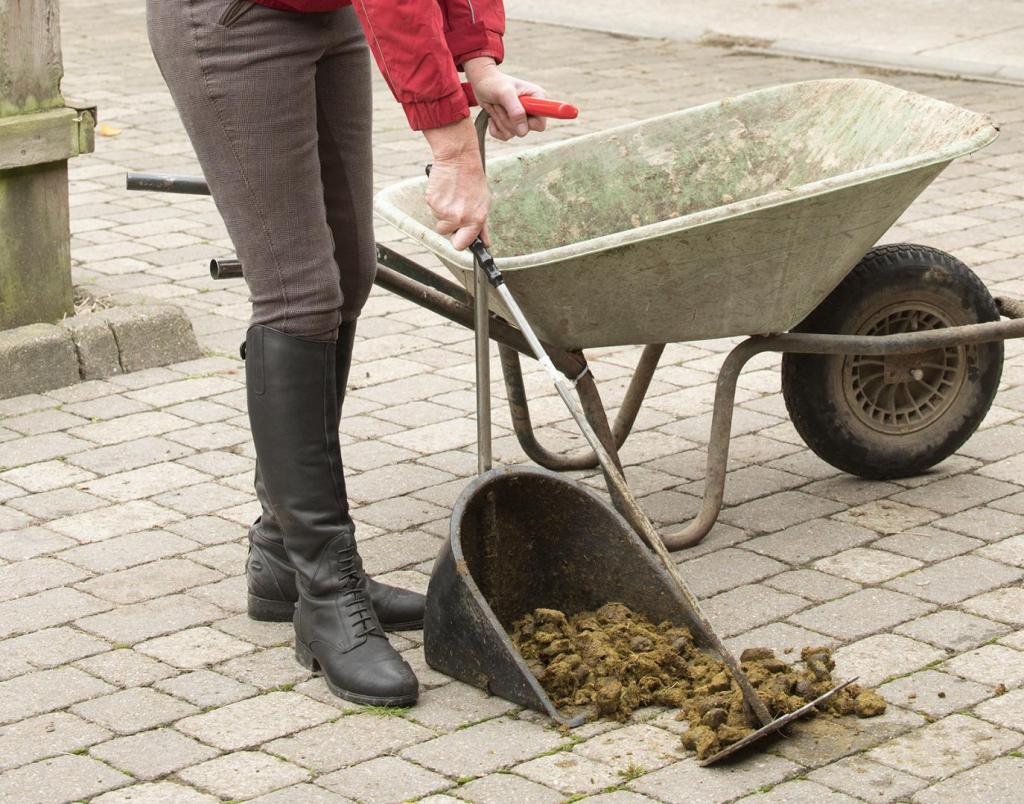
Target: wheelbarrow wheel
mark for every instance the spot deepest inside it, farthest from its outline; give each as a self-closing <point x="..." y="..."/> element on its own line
<point x="887" y="417"/>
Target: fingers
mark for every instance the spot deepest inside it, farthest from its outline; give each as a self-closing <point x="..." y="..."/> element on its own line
<point x="466" y="235"/>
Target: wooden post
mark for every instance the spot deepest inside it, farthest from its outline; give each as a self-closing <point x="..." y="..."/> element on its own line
<point x="38" y="134"/>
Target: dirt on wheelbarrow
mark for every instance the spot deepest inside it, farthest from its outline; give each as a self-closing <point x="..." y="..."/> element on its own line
<point x="615" y="661"/>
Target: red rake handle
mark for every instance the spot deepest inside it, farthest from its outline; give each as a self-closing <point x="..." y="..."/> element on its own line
<point x="536" y="107"/>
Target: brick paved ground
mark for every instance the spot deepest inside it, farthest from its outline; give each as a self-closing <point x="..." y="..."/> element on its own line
<point x="129" y="672"/>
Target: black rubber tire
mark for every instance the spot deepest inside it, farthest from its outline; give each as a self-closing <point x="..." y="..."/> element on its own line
<point x="821" y="391"/>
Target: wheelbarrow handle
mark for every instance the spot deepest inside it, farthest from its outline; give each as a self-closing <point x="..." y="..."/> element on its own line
<point x="537" y="107"/>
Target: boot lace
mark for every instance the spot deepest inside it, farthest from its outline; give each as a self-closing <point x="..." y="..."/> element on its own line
<point x="354" y="596"/>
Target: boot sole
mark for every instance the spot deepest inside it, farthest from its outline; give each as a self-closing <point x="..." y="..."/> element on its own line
<point x="282" y="611"/>
<point x="305" y="657"/>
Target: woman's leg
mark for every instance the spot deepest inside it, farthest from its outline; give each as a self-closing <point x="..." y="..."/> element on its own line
<point x="344" y="105"/>
<point x="245" y="87"/>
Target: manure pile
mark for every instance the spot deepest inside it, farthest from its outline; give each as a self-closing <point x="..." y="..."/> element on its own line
<point x="615" y="661"/>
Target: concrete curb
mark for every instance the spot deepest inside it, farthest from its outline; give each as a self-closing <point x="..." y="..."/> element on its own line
<point x="91" y="346"/>
<point x="627" y="25"/>
<point x="887" y="60"/>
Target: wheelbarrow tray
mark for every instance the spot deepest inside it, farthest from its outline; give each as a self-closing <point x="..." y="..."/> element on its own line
<point x="733" y="218"/>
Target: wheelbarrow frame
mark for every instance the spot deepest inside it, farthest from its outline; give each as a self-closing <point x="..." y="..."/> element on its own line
<point x="409" y="280"/>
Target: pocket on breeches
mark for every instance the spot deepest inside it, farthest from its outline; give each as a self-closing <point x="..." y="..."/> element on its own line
<point x="234" y="12"/>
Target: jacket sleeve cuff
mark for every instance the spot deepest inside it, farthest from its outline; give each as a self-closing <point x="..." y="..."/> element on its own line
<point x="437" y="113"/>
<point x="474" y="41"/>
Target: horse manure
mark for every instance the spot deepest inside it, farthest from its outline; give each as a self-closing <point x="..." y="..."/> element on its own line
<point x="614" y="661"/>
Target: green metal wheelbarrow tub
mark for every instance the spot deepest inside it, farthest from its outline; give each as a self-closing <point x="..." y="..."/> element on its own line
<point x="733" y="218"/>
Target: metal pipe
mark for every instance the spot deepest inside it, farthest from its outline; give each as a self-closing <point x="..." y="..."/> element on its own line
<point x="718" y="447"/>
<point x="1010" y="308"/>
<point x="225" y="269"/>
<point x="522" y="424"/>
<point x="482" y="344"/>
<point x="168" y="183"/>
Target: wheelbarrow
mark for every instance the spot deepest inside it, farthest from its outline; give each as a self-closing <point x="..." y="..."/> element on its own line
<point x="749" y="217"/>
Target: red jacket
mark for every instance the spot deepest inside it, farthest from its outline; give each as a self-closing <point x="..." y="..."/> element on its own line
<point x="419" y="46"/>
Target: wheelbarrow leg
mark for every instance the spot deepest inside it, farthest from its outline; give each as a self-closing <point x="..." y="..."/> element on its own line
<point x="519" y="408"/>
<point x="718" y="447"/>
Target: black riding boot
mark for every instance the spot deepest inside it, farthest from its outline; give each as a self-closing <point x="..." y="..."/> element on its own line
<point x="293" y="412"/>
<point x="269" y="572"/>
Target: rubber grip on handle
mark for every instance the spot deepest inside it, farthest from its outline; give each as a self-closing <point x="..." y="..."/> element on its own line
<point x="537" y="107"/>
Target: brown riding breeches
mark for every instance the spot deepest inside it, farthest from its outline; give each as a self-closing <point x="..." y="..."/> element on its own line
<point x="278" y="107"/>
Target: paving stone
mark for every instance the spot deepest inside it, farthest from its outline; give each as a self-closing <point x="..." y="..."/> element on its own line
<point x="928" y="544"/>
<point x="208" y="529"/>
<point x="887" y="516"/>
<point x="784" y="639"/>
<point x="779" y="511"/>
<point x="304" y="793"/>
<point x="256" y="720"/>
<point x="151" y="580"/>
<point x="456" y="705"/>
<point x="129" y="550"/>
<point x="35" y="449"/>
<point x="204" y="498"/>
<point x="640" y="745"/>
<point x="195" y="647"/>
<point x="864" y="565"/>
<point x="46" y="609"/>
<point x="934" y="693"/>
<point x="499" y="788"/>
<point x="867" y="780"/>
<point x="128" y="428"/>
<point x="133" y="710"/>
<point x="1005" y="710"/>
<point x="687" y="782"/>
<point x="151" y="618"/>
<point x="810" y="540"/>
<point x="811" y="584"/>
<point x="862" y="613"/>
<point x="1008" y="551"/>
<point x="56" y="503"/>
<point x="115" y="520"/>
<point x="954" y="494"/>
<point x="244" y="774"/>
<point x="105" y="408"/>
<point x="155" y="793"/>
<point x="484" y="748"/>
<point x="45" y="736"/>
<point x="125" y="668"/>
<point x="266" y="669"/>
<point x="1006" y="605"/>
<point x="953" y="630"/>
<point x="267" y="635"/>
<point x="130" y="455"/>
<point x="746" y="607"/>
<point x="955" y="579"/>
<point x="945" y="747"/>
<point x="46" y="690"/>
<point x="152" y="754"/>
<point x="988" y="524"/>
<point x="1015" y="640"/>
<point x="46" y="476"/>
<point x="990" y="664"/>
<point x="348" y="741"/>
<point x="206" y="689"/>
<point x="799" y="792"/>
<point x="822" y="740"/>
<point x="619" y="797"/>
<point x="569" y="772"/>
<point x="51" y="647"/>
<point x="996" y="782"/>
<point x="726" y="569"/>
<point x="883" y="656"/>
<point x="18" y="545"/>
<point x="385" y="779"/>
<point x="65" y="778"/>
<point x="146" y="481"/>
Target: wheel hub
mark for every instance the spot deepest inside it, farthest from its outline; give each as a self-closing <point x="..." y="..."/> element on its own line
<point x="899" y="394"/>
